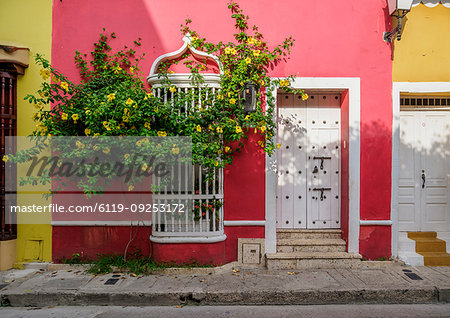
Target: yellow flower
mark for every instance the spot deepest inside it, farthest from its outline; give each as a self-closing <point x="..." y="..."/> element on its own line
<point x="96" y="134"/>
<point x="199" y="129"/>
<point x="125" y="119"/>
<point x="216" y="163"/>
<point x="126" y="156"/>
<point x="126" y="111"/>
<point x="256" y="53"/>
<point x="261" y="82"/>
<point x="148" y="95"/>
<point x="45" y="73"/>
<point x="210" y="127"/>
<point x="64" y="116"/>
<point x="38" y="105"/>
<point x="105" y="124"/>
<point x="88" y="112"/>
<point x="261" y="143"/>
<point x="263" y="128"/>
<point x="233" y="51"/>
<point x="111" y="97"/>
<point x="5" y="158"/>
<point x="250" y="41"/>
<point x="144" y="167"/>
<point x="248" y="60"/>
<point x="219" y="130"/>
<point x="172" y="89"/>
<point x="247" y="117"/>
<point x="278" y="145"/>
<point x="162" y="133"/>
<point x="227" y="50"/>
<point x="87" y="131"/>
<point x="132" y="69"/>
<point x="106" y="150"/>
<point x="147" y="125"/>
<point x="219" y="151"/>
<point x="65" y="86"/>
<point x="175" y="151"/>
<point x="232" y="101"/>
<point x="194" y="38"/>
<point x="130" y="188"/>
<point x="220" y="97"/>
<point x="284" y="83"/>
<point x="75" y="117"/>
<point x="117" y="70"/>
<point x="238" y="129"/>
<point x="227" y="149"/>
<point x="304" y="96"/>
<point x="171" y="72"/>
<point x="79" y="144"/>
<point x="129" y="101"/>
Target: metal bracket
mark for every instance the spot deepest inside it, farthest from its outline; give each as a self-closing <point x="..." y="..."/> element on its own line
<point x="321" y="160"/>
<point x="387" y="36"/>
<point x="321" y="192"/>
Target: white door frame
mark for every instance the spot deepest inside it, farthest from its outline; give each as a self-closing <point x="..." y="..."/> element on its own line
<point x="352" y="84"/>
<point x="397" y="89"/>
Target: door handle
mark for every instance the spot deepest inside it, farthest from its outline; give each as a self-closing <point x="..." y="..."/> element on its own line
<point x="423" y="179"/>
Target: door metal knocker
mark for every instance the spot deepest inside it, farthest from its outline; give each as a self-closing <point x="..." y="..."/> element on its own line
<point x="315" y="170"/>
<point x="322" y="197"/>
<point x="321" y="161"/>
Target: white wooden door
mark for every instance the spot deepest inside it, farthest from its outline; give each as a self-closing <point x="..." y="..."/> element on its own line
<point x="308" y="194"/>
<point x="424" y="174"/>
<point x="291" y="197"/>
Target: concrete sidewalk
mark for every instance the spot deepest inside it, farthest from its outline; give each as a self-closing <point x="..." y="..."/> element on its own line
<point x="386" y="283"/>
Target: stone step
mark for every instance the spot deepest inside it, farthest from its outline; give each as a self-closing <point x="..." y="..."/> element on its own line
<point x="418" y="235"/>
<point x="430" y="245"/>
<point x="436" y="259"/>
<point x="310" y="245"/>
<point x="304" y="260"/>
<point x="308" y="234"/>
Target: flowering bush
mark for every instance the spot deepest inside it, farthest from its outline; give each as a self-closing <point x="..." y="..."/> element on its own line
<point x="202" y="207"/>
<point x="112" y="99"/>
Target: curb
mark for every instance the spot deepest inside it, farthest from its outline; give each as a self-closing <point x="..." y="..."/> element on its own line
<point x="304" y="297"/>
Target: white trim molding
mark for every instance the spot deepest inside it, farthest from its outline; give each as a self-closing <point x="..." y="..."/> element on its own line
<point x="375" y="222"/>
<point x="101" y="223"/>
<point x="185" y="239"/>
<point x="244" y="223"/>
<point x="397" y="89"/>
<point x="431" y="3"/>
<point x="352" y="84"/>
<point x="187" y="46"/>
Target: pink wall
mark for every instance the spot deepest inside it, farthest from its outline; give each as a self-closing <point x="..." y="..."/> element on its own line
<point x="333" y="39"/>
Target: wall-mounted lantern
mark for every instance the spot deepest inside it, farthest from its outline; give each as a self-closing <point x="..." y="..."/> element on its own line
<point x="249" y="96"/>
<point x="398" y="9"/>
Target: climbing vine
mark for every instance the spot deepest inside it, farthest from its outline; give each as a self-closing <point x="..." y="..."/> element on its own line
<point x="112" y="99"/>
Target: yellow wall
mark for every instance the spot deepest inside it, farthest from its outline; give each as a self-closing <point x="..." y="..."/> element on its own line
<point x="28" y="23"/>
<point x="423" y="53"/>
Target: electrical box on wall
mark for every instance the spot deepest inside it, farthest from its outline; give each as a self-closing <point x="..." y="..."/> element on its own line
<point x="251" y="251"/>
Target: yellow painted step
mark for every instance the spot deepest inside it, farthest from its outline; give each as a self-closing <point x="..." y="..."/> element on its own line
<point x="436" y="259"/>
<point x="431" y="248"/>
<point x="418" y="235"/>
<point x="430" y="245"/>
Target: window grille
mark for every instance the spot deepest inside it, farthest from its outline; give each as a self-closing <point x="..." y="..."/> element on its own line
<point x="200" y="194"/>
<point x="425" y="102"/>
<point x="8" y="116"/>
